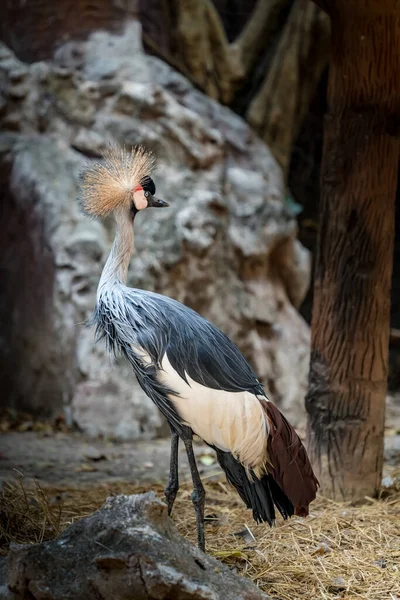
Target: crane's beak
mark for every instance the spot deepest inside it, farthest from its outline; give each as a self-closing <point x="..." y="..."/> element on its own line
<point x="156" y="202"/>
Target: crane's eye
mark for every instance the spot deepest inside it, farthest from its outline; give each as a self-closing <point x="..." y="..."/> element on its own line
<point x="147" y="194"/>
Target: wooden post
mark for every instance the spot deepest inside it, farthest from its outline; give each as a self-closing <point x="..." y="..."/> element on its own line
<point x="350" y="322"/>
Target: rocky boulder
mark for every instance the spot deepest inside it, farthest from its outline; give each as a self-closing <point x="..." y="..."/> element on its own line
<point x="227" y="246"/>
<point x="129" y="549"/>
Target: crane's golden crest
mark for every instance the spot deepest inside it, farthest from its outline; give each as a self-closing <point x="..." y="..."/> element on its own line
<point x="108" y="185"/>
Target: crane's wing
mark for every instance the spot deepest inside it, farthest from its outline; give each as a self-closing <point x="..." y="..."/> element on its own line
<point x="195" y="347"/>
<point x="146" y="327"/>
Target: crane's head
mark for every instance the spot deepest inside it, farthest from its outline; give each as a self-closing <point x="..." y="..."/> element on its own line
<point x="143" y="196"/>
<point x="121" y="183"/>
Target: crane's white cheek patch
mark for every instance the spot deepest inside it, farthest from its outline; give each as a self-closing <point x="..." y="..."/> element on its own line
<point x="140" y="200"/>
<point x="232" y="421"/>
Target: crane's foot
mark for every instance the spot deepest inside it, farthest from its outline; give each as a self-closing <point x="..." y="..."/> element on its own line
<point x="172" y="487"/>
<point x="198" y="495"/>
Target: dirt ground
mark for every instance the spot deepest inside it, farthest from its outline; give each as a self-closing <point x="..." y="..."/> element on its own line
<point x="71" y="458"/>
<point x="54" y="455"/>
<point x="64" y="458"/>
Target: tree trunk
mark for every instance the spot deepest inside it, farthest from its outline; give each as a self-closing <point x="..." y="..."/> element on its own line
<point x="350" y="322"/>
<point x="269" y="72"/>
<point x="278" y="109"/>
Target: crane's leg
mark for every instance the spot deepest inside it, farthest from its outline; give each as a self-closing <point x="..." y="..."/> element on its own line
<point x="198" y="494"/>
<point x="172" y="486"/>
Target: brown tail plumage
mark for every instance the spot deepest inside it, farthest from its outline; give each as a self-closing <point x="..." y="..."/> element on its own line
<point x="288" y="462"/>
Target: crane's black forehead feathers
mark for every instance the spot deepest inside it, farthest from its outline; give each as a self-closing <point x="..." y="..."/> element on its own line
<point x="148" y="185"/>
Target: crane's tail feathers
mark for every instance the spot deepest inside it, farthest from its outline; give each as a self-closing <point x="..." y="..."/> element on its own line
<point x="258" y="494"/>
<point x="288" y="463"/>
<point x="289" y="484"/>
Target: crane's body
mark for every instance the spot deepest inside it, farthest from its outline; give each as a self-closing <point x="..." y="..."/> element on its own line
<point x="189" y="368"/>
<point x="195" y="375"/>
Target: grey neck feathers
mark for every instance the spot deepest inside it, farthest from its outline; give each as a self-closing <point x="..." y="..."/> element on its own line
<point x="116" y="268"/>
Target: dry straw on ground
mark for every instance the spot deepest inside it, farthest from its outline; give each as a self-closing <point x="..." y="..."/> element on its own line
<point x="340" y="551"/>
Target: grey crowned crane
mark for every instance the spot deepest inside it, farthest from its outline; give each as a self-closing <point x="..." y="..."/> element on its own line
<point x="194" y="374"/>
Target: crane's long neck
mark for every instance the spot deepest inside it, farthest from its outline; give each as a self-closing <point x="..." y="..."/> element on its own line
<point x="116" y="268"/>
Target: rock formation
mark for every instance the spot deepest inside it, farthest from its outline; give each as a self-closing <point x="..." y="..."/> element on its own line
<point x="227" y="246"/>
<point x="129" y="549"/>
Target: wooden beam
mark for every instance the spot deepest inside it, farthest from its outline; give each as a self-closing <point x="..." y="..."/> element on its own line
<point x="351" y="313"/>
